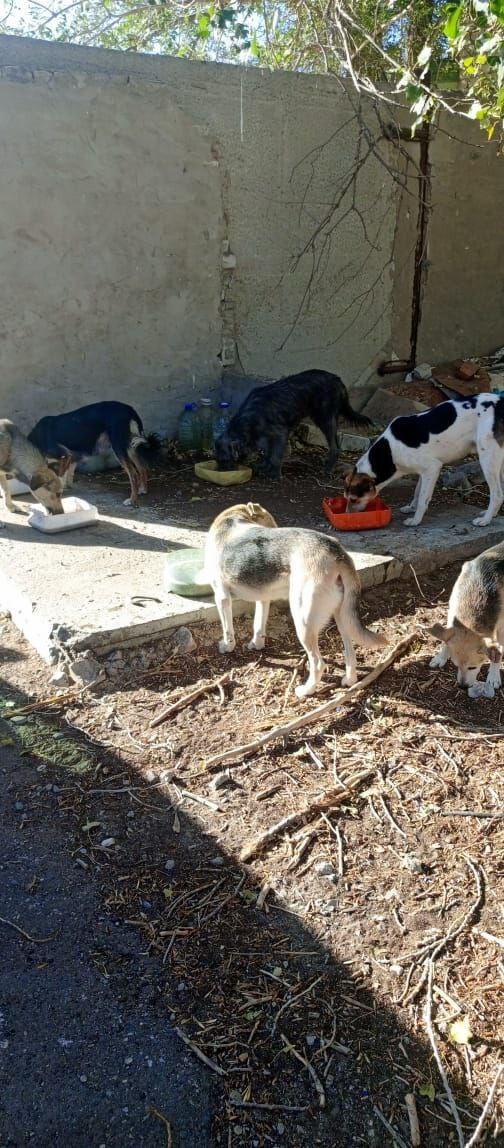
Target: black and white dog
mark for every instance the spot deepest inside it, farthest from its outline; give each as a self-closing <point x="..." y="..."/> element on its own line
<point x="269" y="413"/>
<point x="421" y="444"/>
<point x="99" y="426"/>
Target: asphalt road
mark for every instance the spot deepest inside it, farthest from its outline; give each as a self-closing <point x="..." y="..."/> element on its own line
<point x="83" y="1055"/>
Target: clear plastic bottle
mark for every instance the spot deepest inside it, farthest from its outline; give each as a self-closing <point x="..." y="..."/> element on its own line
<point x="188" y="430"/>
<point x="207" y="418"/>
<point x="221" y="419"/>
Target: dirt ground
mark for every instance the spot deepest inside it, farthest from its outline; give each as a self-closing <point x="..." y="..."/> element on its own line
<point x="308" y="978"/>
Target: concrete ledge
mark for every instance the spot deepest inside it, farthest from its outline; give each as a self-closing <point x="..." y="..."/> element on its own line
<point x="102" y="587"/>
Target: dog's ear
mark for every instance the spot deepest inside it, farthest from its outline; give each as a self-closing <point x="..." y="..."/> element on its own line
<point x="494" y="655"/>
<point x="347" y="478"/>
<point x="442" y="632"/>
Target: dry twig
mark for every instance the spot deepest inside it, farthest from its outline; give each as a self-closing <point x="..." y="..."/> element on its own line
<point x="199" y="1053"/>
<point x="341" y="697"/>
<point x="476" y="1136"/>
<point x="35" y="940"/>
<point x="306" y="813"/>
<point x="169" y="1135"/>
<point x="302" y="1059"/>
<point x="411" y="1108"/>
<point x="181" y="703"/>
<point x="437" y="1056"/>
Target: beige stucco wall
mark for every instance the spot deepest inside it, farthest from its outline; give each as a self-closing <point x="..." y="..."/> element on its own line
<point x="151" y="211"/>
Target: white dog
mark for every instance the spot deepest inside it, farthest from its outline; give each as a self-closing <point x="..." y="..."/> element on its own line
<point x="422" y="444"/>
<point x="247" y="556"/>
<point x="474" y="633"/>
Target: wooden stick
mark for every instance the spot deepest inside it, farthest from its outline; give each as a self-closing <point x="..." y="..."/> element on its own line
<point x="306" y="813"/>
<point x="341" y="697"/>
<point x="186" y="701"/>
<point x="411" y="1108"/>
<point x="318" y="1084"/>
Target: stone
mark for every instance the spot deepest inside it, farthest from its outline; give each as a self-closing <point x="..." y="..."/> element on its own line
<point x="59" y="678"/>
<point x="466" y="369"/>
<point x="324" y="869"/>
<point x="183" y="640"/>
<point x="85" y="670"/>
<point x="384" y="406"/>
<point x="423" y="371"/>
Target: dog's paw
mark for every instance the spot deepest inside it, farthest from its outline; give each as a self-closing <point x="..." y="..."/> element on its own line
<point x="129" y="502"/>
<point x="256" y="643"/>
<point x="437" y="662"/>
<point x="226" y="647"/>
<point x="305" y="691"/>
<point x="414" y="521"/>
<point x="482" y="520"/>
<point x="349" y="679"/>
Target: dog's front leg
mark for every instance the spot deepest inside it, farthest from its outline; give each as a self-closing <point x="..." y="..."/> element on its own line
<point x="260" y="623"/>
<point x="224" y="606"/>
<point x="427" y="483"/>
<point x="494" y="669"/>
<point x="411" y="506"/>
<point x="4" y="487"/>
<point x="440" y="659"/>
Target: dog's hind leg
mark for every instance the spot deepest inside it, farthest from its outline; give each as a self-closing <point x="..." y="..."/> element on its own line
<point x="427" y="483"/>
<point x="308" y="613"/>
<point x="329" y="426"/>
<point x="491" y="457"/>
<point x="260" y="624"/>
<point x="276" y="446"/>
<point x="224" y="606"/>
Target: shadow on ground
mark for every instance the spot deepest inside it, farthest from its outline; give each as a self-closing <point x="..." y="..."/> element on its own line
<point x="121" y="920"/>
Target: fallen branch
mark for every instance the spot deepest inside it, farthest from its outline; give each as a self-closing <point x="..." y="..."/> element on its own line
<point x="186" y="701"/>
<point x="306" y="813"/>
<point x="169" y="1134"/>
<point x="341" y="697"/>
<point x="201" y="800"/>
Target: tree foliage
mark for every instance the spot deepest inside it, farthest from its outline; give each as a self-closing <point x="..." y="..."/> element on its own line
<point x="409" y="54"/>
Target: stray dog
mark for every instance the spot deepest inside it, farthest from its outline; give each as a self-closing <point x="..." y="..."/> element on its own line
<point x="247" y="556"/>
<point x="474" y="633"/>
<point x="269" y="413"/>
<point x="421" y="444"/>
<point x="20" y="459"/>
<point x="79" y="434"/>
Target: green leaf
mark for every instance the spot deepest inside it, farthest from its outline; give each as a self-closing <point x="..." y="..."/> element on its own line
<point x="497" y="9"/>
<point x="168" y="892"/>
<point x="427" y="1089"/>
<point x="452" y="24"/>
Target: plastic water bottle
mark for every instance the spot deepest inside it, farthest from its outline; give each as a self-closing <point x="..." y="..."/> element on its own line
<point x="188" y="430"/>
<point x="207" y="418"/>
<point x="222" y="419"/>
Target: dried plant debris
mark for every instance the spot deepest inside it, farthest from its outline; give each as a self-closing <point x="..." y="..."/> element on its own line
<point x="344" y="985"/>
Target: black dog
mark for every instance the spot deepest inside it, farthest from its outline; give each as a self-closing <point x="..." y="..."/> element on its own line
<point x="82" y="433"/>
<point x="269" y="413"/>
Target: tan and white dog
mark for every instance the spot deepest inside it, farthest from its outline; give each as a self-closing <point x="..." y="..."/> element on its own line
<point x="21" y="459"/>
<point x="474" y="633"/>
<point x="248" y="556"/>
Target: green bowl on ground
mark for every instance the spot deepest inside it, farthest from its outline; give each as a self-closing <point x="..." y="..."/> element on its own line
<point x="182" y="570"/>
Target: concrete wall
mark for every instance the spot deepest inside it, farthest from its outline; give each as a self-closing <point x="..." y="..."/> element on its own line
<point x="153" y="215"/>
<point x="151" y="211"/>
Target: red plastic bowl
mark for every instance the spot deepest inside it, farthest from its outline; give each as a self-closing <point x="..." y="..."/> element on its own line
<point x="376" y="514"/>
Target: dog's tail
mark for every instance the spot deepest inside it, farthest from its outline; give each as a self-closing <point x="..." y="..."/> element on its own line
<point x="348" y="413"/>
<point x="147" y="447"/>
<point x="349" y="612"/>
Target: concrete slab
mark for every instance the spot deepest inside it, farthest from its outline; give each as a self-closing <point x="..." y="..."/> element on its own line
<point x="102" y="587"/>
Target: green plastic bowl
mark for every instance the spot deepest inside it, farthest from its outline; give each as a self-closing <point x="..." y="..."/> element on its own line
<point x="182" y="569"/>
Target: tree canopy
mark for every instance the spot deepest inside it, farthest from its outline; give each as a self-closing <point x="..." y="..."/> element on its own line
<point x="423" y="55"/>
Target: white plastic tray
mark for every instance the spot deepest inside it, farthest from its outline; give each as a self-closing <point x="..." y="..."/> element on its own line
<point x="78" y="513"/>
<point x="17" y="487"/>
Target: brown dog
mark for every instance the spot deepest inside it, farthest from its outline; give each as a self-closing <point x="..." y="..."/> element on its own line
<point x="20" y="459"/>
